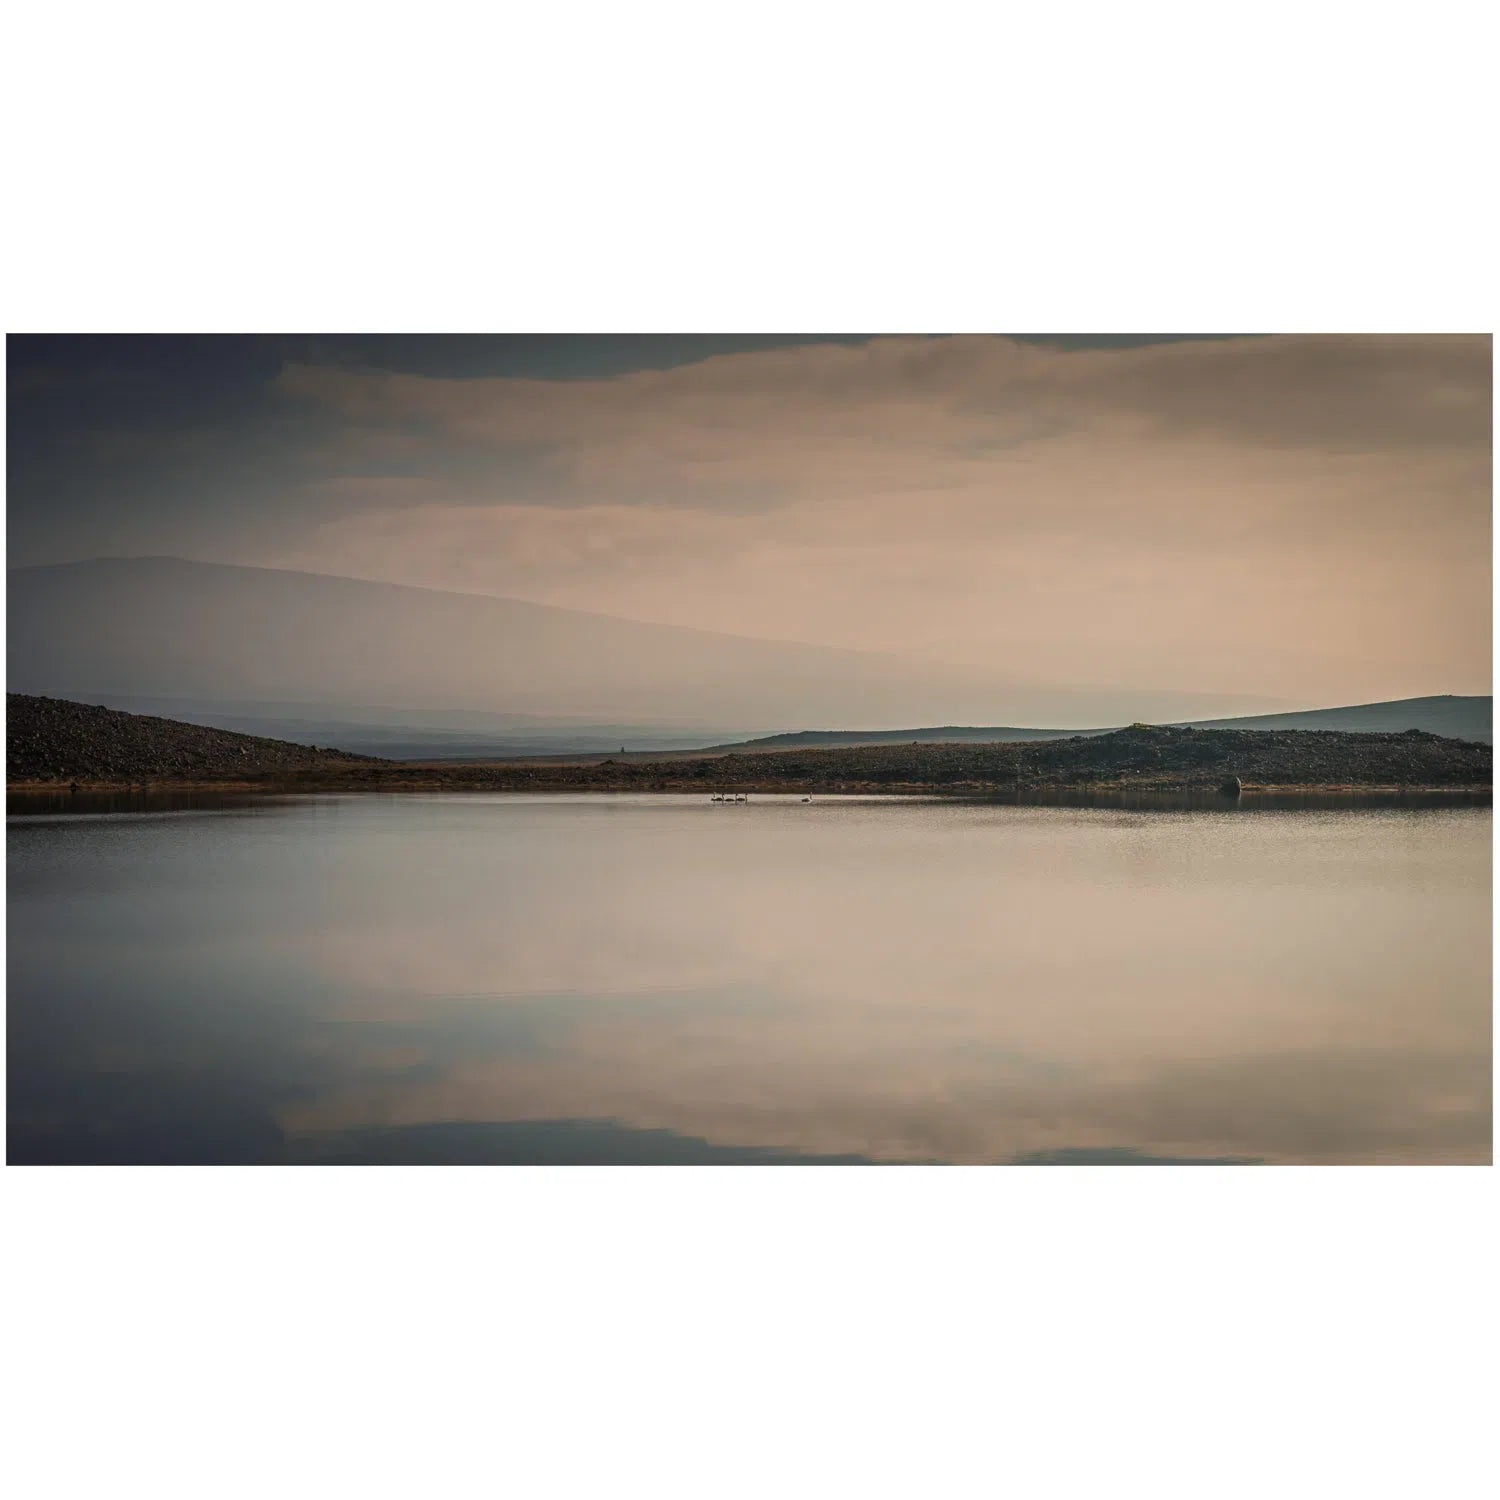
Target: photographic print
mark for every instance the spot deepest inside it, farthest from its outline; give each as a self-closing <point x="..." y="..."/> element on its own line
<point x="749" y="749"/>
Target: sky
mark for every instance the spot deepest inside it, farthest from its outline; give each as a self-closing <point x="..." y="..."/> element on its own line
<point x="1299" y="518"/>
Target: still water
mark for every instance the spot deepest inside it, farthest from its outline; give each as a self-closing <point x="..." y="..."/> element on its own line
<point x="660" y="979"/>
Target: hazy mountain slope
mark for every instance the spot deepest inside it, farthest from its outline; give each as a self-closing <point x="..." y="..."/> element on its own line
<point x="951" y="734"/>
<point x="419" y="734"/>
<point x="163" y="627"/>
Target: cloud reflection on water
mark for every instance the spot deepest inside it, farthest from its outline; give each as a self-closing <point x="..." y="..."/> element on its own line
<point x="959" y="984"/>
<point x="399" y="979"/>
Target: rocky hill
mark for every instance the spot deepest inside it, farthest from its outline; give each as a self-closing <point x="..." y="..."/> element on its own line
<point x="50" y="739"/>
<point x="1146" y="754"/>
<point x="1143" y="756"/>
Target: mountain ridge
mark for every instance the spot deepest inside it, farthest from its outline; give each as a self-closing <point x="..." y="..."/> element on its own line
<point x="167" y="627"/>
<point x="1472" y="712"/>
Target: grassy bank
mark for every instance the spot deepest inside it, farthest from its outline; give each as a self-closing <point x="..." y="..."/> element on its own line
<point x="53" y="744"/>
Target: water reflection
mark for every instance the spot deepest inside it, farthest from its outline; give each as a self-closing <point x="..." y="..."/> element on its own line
<point x="1251" y="800"/>
<point x="559" y="979"/>
<point x="31" y="804"/>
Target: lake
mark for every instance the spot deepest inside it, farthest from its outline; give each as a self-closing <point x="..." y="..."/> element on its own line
<point x="644" y="979"/>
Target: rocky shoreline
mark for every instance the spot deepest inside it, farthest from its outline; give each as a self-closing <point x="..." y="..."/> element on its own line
<point x="52" y="743"/>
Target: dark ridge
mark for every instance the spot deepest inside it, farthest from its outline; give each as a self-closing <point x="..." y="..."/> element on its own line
<point x="1142" y="756"/>
<point x="51" y="739"/>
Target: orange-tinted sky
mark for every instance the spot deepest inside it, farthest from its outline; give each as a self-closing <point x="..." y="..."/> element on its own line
<point x="1302" y="518"/>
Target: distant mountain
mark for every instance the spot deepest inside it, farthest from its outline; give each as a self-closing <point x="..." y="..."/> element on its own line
<point x="1452" y="717"/>
<point x="1458" y="718"/>
<point x="165" y="628"/>
<point x="417" y="734"/>
<point x="951" y="734"/>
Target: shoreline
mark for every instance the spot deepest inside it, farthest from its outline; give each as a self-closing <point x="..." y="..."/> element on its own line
<point x="54" y="747"/>
<point x="264" y="786"/>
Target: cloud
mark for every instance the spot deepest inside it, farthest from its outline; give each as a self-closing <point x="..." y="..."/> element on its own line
<point x="1297" y="516"/>
<point x="909" y="413"/>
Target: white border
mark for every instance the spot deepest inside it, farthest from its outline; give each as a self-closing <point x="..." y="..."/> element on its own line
<point x="830" y="167"/>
